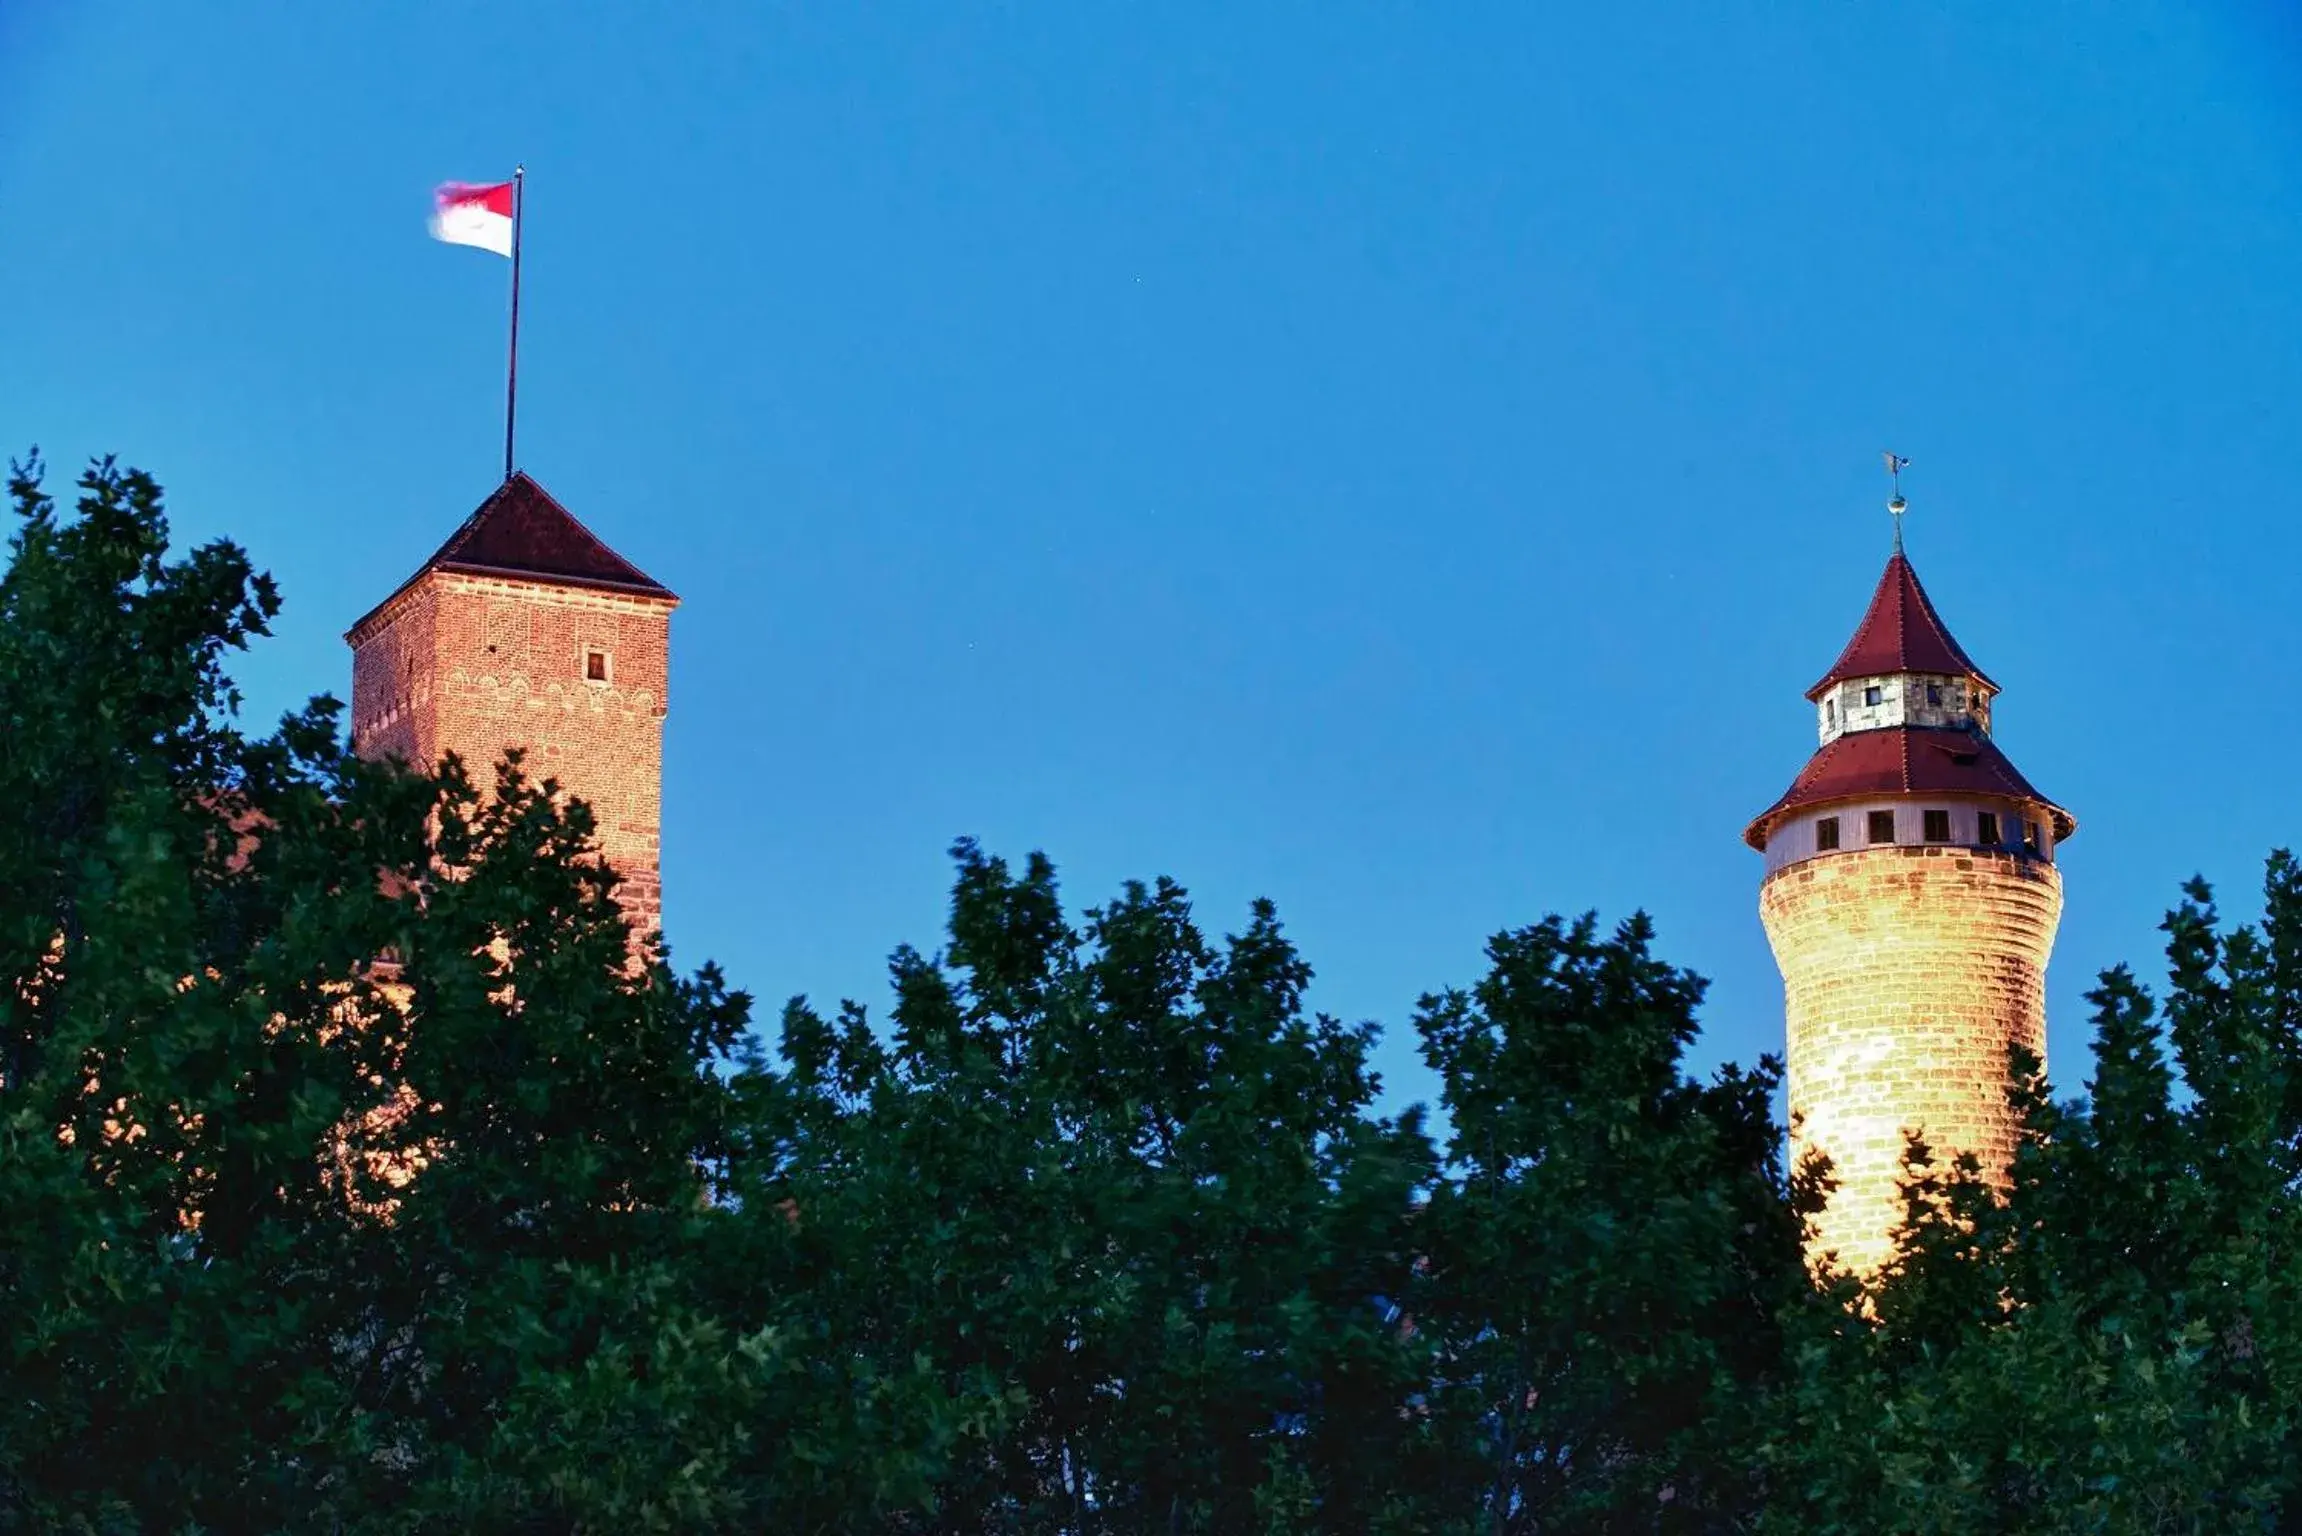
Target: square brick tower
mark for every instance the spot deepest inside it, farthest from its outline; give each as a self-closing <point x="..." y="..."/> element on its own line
<point x="525" y="630"/>
<point x="1911" y="897"/>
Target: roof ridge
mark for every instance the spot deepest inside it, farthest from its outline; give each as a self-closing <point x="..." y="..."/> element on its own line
<point x="1926" y="610"/>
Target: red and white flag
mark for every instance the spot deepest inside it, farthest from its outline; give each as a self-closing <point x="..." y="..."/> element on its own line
<point x="468" y="215"/>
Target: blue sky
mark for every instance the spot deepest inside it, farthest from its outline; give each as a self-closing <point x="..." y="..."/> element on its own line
<point x="1406" y="462"/>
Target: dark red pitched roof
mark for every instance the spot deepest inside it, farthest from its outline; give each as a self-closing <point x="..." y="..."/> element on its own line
<point x="520" y="530"/>
<point x="1905" y="760"/>
<point x="1900" y="632"/>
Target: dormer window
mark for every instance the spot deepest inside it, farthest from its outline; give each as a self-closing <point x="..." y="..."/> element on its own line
<point x="1872" y="694"/>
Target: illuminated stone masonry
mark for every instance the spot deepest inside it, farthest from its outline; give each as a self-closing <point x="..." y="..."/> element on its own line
<point x="1907" y="972"/>
<point x="1910" y="698"/>
<point x="1911" y="898"/>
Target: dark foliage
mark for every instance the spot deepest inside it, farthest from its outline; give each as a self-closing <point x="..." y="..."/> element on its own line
<point x="356" y="1178"/>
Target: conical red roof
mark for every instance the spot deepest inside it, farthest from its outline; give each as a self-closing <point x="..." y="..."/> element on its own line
<point x="1900" y="632"/>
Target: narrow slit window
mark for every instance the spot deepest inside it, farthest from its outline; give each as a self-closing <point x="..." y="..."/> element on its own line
<point x="1986" y="830"/>
<point x="1938" y="826"/>
<point x="595" y="666"/>
<point x="2030" y="835"/>
<point x="1830" y="711"/>
<point x="1882" y="826"/>
<point x="1826" y="833"/>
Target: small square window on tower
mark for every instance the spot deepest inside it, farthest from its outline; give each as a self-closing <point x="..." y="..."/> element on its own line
<point x="1871" y="694"/>
<point x="1938" y="826"/>
<point x="1882" y="826"/>
<point x="1826" y="833"/>
<point x="1933" y="693"/>
<point x="595" y="666"/>
<point x="1986" y="830"/>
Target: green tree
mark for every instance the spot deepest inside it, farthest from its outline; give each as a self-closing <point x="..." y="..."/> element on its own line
<point x="248" y="980"/>
<point x="1609" y="1259"/>
<point x="1117" y="1201"/>
<point x="359" y="1175"/>
<point x="2110" y="1345"/>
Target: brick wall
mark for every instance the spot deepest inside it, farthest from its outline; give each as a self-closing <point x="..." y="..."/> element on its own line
<point x="472" y="665"/>
<point x="392" y="678"/>
<point x="1907" y="972"/>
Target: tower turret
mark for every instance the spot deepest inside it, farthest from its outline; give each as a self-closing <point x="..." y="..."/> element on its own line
<point x="525" y="630"/>
<point x="1911" y="898"/>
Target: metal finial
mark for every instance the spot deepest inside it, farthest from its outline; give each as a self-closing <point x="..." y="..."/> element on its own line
<point x="1895" y="465"/>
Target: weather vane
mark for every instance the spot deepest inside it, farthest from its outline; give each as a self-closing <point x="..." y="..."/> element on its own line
<point x="1895" y="465"/>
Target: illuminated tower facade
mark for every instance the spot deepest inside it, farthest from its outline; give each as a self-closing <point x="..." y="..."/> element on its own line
<point x="1911" y="897"/>
<point x="526" y="630"/>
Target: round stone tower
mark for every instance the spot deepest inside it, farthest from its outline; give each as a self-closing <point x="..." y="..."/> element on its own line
<point x="1911" y="897"/>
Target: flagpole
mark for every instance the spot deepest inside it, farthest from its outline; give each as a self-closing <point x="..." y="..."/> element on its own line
<point x="512" y="374"/>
